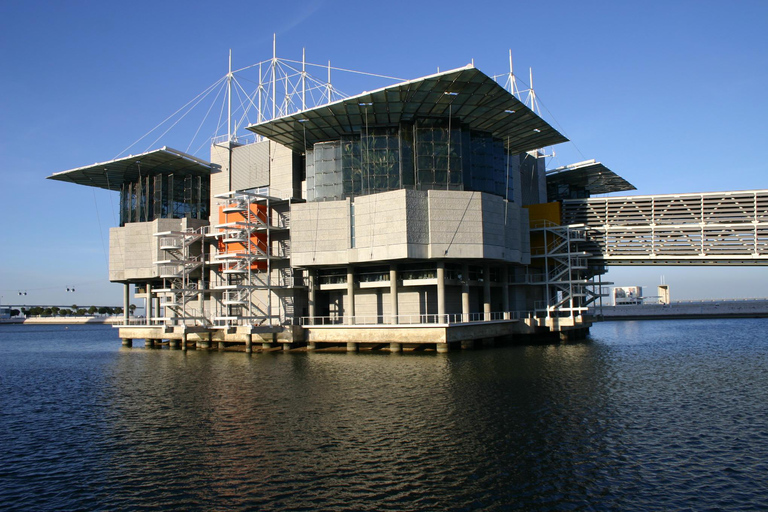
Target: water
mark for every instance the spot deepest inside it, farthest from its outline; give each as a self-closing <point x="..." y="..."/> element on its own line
<point x="664" y="415"/>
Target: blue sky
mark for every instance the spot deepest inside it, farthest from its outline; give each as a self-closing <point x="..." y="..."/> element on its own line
<point x="669" y="94"/>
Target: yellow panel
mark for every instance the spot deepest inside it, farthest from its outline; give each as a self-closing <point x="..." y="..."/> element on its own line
<point x="544" y="214"/>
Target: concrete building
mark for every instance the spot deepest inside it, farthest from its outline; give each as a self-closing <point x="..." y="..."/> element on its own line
<point x="416" y="215"/>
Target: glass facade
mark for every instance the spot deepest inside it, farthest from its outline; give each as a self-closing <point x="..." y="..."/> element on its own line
<point x="164" y="196"/>
<point x="425" y="155"/>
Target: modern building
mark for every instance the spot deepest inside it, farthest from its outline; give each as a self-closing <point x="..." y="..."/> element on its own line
<point x="420" y="214"/>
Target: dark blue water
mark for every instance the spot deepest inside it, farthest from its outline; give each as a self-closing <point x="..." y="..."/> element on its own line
<point x="667" y="415"/>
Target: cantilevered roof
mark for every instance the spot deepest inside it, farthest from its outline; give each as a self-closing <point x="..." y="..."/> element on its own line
<point x="590" y="175"/>
<point x="110" y="175"/>
<point x="467" y="94"/>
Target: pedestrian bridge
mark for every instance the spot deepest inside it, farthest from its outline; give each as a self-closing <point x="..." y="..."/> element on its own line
<point x="714" y="228"/>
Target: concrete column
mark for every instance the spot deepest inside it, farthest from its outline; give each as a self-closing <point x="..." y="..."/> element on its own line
<point x="286" y="347"/>
<point x="312" y="294"/>
<point x="149" y="343"/>
<point x="441" y="291"/>
<point x="395" y="347"/>
<point x="443" y="348"/>
<point x="465" y="293"/>
<point x="505" y="288"/>
<point x="127" y="342"/>
<point x="266" y="345"/>
<point x="393" y="292"/>
<point x="249" y="343"/>
<point x="349" y="307"/>
<point x="173" y="343"/>
<point x="351" y="346"/>
<point x="486" y="292"/>
<point x="311" y="345"/>
<point x="203" y="344"/>
<point x="126" y="303"/>
<point x="184" y="341"/>
<point x="148" y="304"/>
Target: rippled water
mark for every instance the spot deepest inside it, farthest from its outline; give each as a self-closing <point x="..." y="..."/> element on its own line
<point x="666" y="415"/>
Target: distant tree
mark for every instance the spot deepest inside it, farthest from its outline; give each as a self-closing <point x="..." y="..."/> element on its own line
<point x="47" y="312"/>
<point x="15" y="312"/>
<point x="35" y="311"/>
<point x="74" y="307"/>
<point x="102" y="310"/>
<point x="81" y="311"/>
<point x="132" y="309"/>
<point x="24" y="310"/>
<point x="117" y="310"/>
<point x="55" y="310"/>
<point x="92" y="310"/>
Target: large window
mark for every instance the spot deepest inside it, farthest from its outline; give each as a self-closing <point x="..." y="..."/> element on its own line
<point x="164" y="196"/>
<point x="424" y="155"/>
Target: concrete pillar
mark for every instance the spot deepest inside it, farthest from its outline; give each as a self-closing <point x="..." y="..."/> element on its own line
<point x="286" y="347"/>
<point x="443" y="348"/>
<point x="311" y="345"/>
<point x="312" y="295"/>
<point x="350" y="300"/>
<point x="266" y="345"/>
<point x="203" y="344"/>
<point x="505" y="288"/>
<point x="395" y="347"/>
<point x="221" y="346"/>
<point x="173" y="343"/>
<point x="127" y="342"/>
<point x="149" y="343"/>
<point x="148" y="304"/>
<point x="440" y="291"/>
<point x="184" y="341"/>
<point x="126" y="303"/>
<point x="465" y="293"/>
<point x="351" y="346"/>
<point x="393" y="292"/>
<point x="249" y="343"/>
<point x="486" y="292"/>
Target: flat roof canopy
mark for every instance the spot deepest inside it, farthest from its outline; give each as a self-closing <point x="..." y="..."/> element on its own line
<point x="112" y="174"/>
<point x="589" y="175"/>
<point x="467" y="94"/>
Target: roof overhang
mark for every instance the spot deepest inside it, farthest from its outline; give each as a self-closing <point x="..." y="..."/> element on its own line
<point x="466" y="94"/>
<point x="589" y="175"/>
<point x="112" y="174"/>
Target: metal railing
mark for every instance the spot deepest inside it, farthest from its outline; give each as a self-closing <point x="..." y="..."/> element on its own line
<point x="422" y="319"/>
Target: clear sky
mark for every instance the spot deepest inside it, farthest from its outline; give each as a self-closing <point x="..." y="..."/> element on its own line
<point x="669" y="94"/>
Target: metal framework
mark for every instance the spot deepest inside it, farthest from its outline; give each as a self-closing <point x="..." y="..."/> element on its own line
<point x="565" y="271"/>
<point x="717" y="228"/>
<point x="243" y="261"/>
<point x="180" y="287"/>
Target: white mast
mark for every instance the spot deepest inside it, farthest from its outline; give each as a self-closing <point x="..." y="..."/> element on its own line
<point x="531" y="92"/>
<point x="274" y="65"/>
<point x="303" y="78"/>
<point x="229" y="99"/>
<point x="512" y="79"/>
<point x="261" y="88"/>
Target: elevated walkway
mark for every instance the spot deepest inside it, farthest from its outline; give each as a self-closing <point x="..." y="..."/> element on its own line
<point x="714" y="228"/>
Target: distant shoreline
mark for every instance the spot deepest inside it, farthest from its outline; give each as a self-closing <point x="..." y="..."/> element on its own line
<point x="684" y="310"/>
<point x="61" y="320"/>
